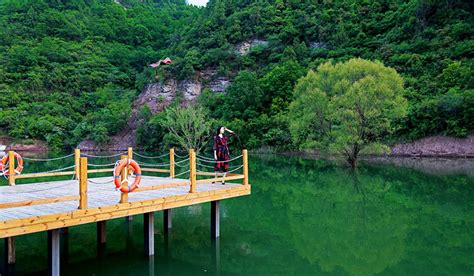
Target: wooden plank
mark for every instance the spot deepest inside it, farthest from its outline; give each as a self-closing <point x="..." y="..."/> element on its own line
<point x="209" y="180"/>
<point x="206" y="173"/>
<point x="155" y="170"/>
<point x="37" y="202"/>
<point x="100" y="170"/>
<point x="111" y="212"/>
<point x="162" y="186"/>
<point x="37" y="175"/>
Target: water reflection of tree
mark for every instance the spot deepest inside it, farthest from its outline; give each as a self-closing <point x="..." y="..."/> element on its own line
<point x="347" y="227"/>
<point x="361" y="223"/>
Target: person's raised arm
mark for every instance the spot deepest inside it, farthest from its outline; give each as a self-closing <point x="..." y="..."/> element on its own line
<point x="230" y="131"/>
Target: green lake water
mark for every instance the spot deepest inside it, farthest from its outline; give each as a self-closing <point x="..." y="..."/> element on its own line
<point x="304" y="217"/>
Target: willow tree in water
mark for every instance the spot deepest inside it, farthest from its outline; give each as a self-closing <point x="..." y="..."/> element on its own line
<point x="347" y="107"/>
<point x="188" y="127"/>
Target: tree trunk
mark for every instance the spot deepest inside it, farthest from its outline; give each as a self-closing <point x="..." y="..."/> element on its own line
<point x="352" y="162"/>
<point x="352" y="157"/>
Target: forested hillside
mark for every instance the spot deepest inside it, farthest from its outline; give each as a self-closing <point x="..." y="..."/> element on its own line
<point x="69" y="69"/>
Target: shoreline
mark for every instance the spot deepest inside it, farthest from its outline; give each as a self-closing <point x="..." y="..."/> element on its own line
<point x="428" y="147"/>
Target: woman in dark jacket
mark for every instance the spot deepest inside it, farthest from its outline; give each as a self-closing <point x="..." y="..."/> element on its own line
<point x="221" y="151"/>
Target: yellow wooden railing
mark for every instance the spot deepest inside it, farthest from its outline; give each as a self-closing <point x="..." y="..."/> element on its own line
<point x="82" y="172"/>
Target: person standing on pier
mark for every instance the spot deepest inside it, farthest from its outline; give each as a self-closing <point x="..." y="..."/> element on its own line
<point x="221" y="151"/>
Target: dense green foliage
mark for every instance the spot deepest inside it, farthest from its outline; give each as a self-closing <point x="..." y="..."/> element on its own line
<point x="430" y="43"/>
<point x="187" y="127"/>
<point x="347" y="107"/>
<point x="69" y="68"/>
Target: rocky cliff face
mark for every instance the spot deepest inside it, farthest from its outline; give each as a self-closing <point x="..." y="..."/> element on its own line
<point x="157" y="96"/>
<point x="214" y="81"/>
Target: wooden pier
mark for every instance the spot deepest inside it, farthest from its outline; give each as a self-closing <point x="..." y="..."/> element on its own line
<point x="54" y="205"/>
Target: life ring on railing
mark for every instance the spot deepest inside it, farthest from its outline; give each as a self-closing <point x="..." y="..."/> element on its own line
<point x="118" y="170"/>
<point x="4" y="164"/>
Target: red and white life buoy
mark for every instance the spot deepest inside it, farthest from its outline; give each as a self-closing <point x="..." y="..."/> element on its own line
<point x="118" y="170"/>
<point x="4" y="164"/>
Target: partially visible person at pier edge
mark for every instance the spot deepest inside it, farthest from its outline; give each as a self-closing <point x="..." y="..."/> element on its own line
<point x="221" y="151"/>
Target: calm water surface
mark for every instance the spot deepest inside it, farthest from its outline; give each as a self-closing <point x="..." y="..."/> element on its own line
<point x="304" y="217"/>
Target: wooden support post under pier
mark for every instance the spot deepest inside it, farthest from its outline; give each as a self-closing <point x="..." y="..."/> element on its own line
<point x="215" y="219"/>
<point x="216" y="256"/>
<point x="101" y="237"/>
<point x="167" y="219"/>
<point x="64" y="245"/>
<point x="149" y="233"/>
<point x="9" y="251"/>
<point x="151" y="265"/>
<point x="54" y="252"/>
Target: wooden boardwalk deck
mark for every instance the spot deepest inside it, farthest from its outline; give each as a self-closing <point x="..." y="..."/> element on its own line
<point x="154" y="194"/>
<point x="53" y="205"/>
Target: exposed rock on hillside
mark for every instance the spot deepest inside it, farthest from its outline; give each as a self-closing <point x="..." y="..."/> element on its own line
<point x="157" y="96"/>
<point x="318" y="45"/>
<point x="219" y="84"/>
<point x="214" y="81"/>
<point x="23" y="145"/>
<point x="244" y="47"/>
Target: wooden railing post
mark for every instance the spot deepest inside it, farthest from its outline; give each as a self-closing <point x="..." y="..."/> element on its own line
<point x="124" y="196"/>
<point x="83" y="183"/>
<point x="130" y="156"/>
<point x="11" y="168"/>
<point x="172" y="162"/>
<point x="192" y="170"/>
<point x="245" y="164"/>
<point x="77" y="160"/>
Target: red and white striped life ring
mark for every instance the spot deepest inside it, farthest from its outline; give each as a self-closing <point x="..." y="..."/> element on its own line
<point x="118" y="170"/>
<point x="4" y="164"/>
